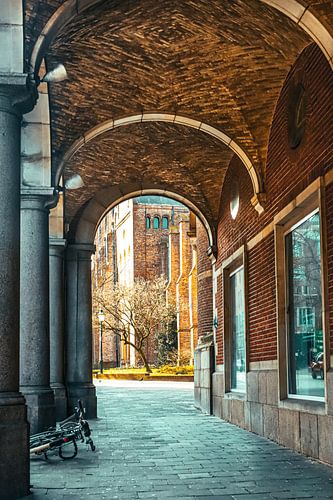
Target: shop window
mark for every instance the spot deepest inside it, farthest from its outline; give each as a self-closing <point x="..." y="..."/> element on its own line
<point x="156" y="223"/>
<point x="237" y="333"/>
<point x="165" y="222"/>
<point x="302" y="285"/>
<point x="148" y="222"/>
<point x="304" y="312"/>
<point x="234" y="325"/>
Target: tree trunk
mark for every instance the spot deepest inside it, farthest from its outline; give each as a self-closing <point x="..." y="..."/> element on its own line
<point x="144" y="359"/>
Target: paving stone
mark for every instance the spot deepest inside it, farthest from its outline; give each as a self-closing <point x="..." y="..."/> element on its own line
<point x="153" y="443"/>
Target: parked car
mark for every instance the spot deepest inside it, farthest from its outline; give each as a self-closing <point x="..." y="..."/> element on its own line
<point x="317" y="366"/>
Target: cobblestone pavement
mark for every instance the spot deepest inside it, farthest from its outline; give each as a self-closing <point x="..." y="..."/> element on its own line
<point x="153" y="443"/>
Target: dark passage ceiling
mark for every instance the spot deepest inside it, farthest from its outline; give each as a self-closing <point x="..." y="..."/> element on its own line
<point x="219" y="62"/>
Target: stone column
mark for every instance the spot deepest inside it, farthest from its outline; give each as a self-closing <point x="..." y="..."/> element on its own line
<point x="14" y="428"/>
<point x="193" y="300"/>
<point x="79" y="328"/>
<point x="34" y="313"/>
<point x="57" y="292"/>
<point x="182" y="293"/>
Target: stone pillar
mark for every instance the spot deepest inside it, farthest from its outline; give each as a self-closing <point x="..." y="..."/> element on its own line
<point x="173" y="261"/>
<point x="57" y="291"/>
<point x="193" y="300"/>
<point x="79" y="328"/>
<point x="182" y="294"/>
<point x="34" y="313"/>
<point x="14" y="428"/>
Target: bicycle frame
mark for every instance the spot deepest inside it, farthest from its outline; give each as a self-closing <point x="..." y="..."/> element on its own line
<point x="67" y="432"/>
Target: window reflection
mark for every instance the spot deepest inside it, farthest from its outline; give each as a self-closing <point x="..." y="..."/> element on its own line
<point x="305" y="333"/>
<point x="238" y="363"/>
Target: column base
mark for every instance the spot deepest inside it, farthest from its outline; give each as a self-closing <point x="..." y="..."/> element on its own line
<point x="60" y="400"/>
<point x="41" y="408"/>
<point x="14" y="432"/>
<point x="86" y="393"/>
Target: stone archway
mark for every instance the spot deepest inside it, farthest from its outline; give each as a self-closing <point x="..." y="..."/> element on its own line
<point x="105" y="200"/>
<point x="174" y="119"/>
<point x="293" y="9"/>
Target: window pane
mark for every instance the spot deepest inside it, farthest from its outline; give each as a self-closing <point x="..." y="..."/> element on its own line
<point x="148" y="222"/>
<point x="305" y="333"/>
<point x="165" y="222"/>
<point x="156" y="222"/>
<point x="238" y="372"/>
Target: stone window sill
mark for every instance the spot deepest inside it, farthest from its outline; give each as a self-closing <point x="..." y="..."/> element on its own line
<point x="306" y="406"/>
<point x="235" y="395"/>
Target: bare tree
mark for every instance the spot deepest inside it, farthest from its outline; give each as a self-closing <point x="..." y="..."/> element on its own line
<point x="136" y="311"/>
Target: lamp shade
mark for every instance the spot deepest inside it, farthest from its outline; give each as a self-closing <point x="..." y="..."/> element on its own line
<point x="101" y="316"/>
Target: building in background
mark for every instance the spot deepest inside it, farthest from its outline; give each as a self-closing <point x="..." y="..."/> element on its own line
<point x="147" y="237"/>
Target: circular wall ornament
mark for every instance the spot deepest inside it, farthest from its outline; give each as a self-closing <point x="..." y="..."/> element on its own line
<point x="296" y="115"/>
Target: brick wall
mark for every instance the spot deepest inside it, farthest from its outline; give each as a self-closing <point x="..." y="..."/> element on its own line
<point x="150" y="261"/>
<point x="151" y="249"/>
<point x="262" y="301"/>
<point x="219" y="329"/>
<point x="288" y="172"/>
<point x="329" y="225"/>
<point x="182" y="291"/>
<point x="205" y="283"/>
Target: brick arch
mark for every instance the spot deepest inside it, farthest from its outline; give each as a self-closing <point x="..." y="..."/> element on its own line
<point x="167" y="118"/>
<point x="87" y="224"/>
<point x="70" y="9"/>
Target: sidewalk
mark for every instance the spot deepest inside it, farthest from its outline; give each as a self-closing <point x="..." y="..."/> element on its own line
<point x="153" y="443"/>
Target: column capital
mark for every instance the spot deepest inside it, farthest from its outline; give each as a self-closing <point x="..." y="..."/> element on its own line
<point x="36" y="198"/>
<point x="81" y="251"/>
<point x="57" y="246"/>
<point x="212" y="253"/>
<point x="57" y="243"/>
<point x="18" y="93"/>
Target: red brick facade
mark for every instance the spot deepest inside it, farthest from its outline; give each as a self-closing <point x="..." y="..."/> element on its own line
<point x="205" y="293"/>
<point x="298" y="179"/>
<point x="288" y="172"/>
<point x="150" y="251"/>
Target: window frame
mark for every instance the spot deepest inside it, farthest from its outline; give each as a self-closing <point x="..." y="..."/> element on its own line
<point x="308" y="203"/>
<point x="229" y="267"/>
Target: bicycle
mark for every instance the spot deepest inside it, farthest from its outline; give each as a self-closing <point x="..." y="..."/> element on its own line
<point x="65" y="433"/>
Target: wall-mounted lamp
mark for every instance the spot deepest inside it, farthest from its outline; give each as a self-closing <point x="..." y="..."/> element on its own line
<point x="58" y="74"/>
<point x="74" y="182"/>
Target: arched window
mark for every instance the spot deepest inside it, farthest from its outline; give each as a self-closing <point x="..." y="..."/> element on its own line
<point x="165" y="222"/>
<point x="147" y="222"/>
<point x="156" y="222"/>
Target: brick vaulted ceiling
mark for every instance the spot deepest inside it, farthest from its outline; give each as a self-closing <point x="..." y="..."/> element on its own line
<point x="222" y="62"/>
